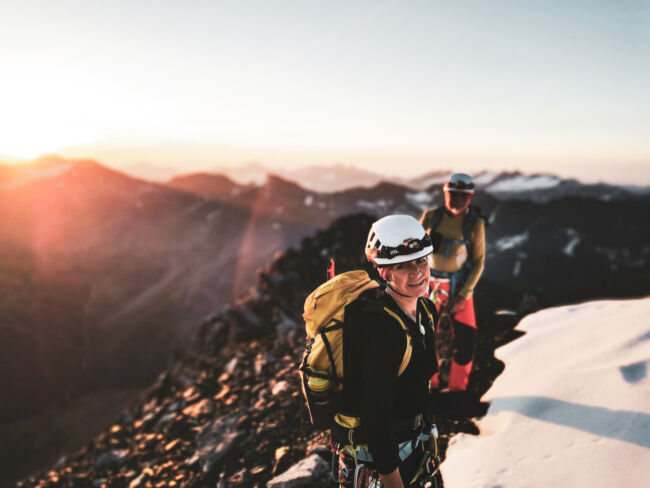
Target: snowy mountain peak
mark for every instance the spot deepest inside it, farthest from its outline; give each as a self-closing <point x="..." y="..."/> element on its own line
<point x="523" y="183"/>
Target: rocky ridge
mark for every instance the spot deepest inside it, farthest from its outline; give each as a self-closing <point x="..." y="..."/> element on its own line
<point x="231" y="414"/>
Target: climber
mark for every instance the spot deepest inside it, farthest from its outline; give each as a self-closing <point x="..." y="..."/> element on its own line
<point x="383" y="429"/>
<point x="459" y="228"/>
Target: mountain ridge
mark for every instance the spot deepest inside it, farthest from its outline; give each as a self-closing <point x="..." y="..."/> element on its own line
<point x="339" y="177"/>
<point x="125" y="269"/>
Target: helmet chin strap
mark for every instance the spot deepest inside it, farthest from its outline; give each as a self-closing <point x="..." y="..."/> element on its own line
<point x="393" y="289"/>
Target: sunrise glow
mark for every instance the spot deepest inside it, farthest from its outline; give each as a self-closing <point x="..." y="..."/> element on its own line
<point x="380" y="85"/>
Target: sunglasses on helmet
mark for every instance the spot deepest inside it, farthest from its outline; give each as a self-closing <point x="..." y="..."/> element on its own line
<point x="408" y="247"/>
<point x="459" y="185"/>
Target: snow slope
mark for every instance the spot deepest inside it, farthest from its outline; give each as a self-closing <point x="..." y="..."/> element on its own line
<point x="524" y="183"/>
<point x="572" y="408"/>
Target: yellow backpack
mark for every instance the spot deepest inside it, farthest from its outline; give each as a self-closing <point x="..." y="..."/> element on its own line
<point x="321" y="370"/>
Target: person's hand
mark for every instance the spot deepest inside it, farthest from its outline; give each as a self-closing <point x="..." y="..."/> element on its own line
<point x="457" y="304"/>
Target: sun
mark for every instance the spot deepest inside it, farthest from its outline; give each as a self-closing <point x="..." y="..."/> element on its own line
<point x="38" y="122"/>
<point x="24" y="150"/>
<point x="27" y="142"/>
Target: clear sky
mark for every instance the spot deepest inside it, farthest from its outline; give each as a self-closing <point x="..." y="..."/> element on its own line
<point x="390" y="86"/>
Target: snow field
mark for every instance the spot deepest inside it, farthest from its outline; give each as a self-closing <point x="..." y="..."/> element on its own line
<point x="572" y="408"/>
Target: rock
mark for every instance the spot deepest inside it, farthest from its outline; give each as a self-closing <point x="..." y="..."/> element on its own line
<point x="250" y="318"/>
<point x="285" y="325"/>
<point x="136" y="481"/>
<point x="202" y="407"/>
<point x="279" y="387"/>
<point x="303" y="474"/>
<point x="176" y="406"/>
<point x="112" y="457"/>
<point x="323" y="451"/>
<point x="262" y="361"/>
<point x="217" y="440"/>
<point x="280" y="456"/>
<point x="240" y="478"/>
<point x="166" y="419"/>
<point x="212" y="331"/>
<point x="61" y="462"/>
<point x="222" y="482"/>
<point x="170" y="445"/>
<point x="232" y="364"/>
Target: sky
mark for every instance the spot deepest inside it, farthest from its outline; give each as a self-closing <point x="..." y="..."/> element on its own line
<point x="396" y="87"/>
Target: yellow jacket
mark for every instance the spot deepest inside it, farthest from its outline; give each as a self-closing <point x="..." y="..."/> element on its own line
<point x="452" y="228"/>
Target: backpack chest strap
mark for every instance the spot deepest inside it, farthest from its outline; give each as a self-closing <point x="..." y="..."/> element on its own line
<point x="448" y="242"/>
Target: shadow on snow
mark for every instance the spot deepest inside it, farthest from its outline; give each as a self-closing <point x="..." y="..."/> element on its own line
<point x="624" y="425"/>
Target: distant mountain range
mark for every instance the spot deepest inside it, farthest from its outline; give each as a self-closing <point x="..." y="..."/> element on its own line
<point x="316" y="178"/>
<point x="150" y="172"/>
<point x="103" y="276"/>
<point x="335" y="178"/>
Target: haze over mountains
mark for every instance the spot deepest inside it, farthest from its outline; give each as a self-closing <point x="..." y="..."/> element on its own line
<point x="104" y="276"/>
<point x="337" y="177"/>
<point x="318" y="178"/>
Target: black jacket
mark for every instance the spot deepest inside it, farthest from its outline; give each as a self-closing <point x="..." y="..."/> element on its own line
<point x="374" y="348"/>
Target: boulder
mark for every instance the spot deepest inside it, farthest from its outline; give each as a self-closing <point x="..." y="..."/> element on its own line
<point x="217" y="440"/>
<point x="303" y="474"/>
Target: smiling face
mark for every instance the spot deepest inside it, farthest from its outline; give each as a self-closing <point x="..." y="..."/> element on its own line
<point x="411" y="278"/>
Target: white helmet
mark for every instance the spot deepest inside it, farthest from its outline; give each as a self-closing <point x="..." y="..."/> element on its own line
<point x="397" y="239"/>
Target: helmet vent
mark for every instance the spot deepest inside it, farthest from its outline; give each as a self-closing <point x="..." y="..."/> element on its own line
<point x="373" y="241"/>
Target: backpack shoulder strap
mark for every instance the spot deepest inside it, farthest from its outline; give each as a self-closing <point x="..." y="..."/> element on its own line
<point x="429" y="309"/>
<point x="434" y="218"/>
<point x="473" y="214"/>
<point x="409" y="347"/>
<point x="468" y="223"/>
<point x="426" y="218"/>
<point x="370" y="301"/>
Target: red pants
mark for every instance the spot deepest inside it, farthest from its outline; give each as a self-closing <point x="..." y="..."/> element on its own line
<point x="463" y="330"/>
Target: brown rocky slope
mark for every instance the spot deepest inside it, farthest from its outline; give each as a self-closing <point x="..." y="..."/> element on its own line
<point x="231" y="413"/>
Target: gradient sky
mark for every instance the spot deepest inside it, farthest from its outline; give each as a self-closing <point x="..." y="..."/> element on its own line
<point x="390" y="86"/>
